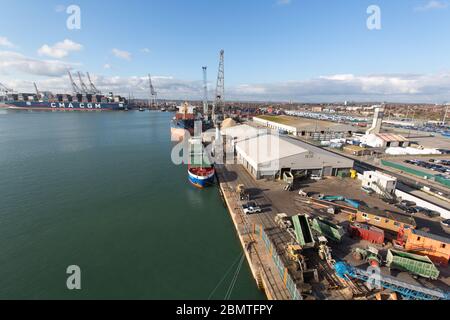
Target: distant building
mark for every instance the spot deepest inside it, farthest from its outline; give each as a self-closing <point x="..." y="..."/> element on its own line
<point x="357" y="150"/>
<point x="385" y="140"/>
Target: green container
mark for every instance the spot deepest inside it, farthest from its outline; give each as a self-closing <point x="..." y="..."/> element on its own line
<point x="303" y="231"/>
<point x="412" y="263"/>
<point x="328" y="229"/>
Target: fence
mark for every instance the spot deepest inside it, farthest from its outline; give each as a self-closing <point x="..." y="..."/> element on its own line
<point x="441" y="180"/>
<point x="281" y="269"/>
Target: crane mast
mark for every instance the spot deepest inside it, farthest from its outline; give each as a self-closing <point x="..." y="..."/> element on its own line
<point x="205" y="92"/>
<point x="218" y="108"/>
<point x="153" y="93"/>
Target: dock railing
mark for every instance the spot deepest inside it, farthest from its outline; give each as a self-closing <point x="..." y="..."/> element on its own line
<point x="283" y="272"/>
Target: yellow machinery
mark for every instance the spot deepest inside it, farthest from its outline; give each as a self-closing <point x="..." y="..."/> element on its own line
<point x="353" y="174"/>
<point x="294" y="252"/>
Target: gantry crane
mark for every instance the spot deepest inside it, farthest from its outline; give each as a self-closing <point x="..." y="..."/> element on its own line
<point x="94" y="89"/>
<point x="84" y="88"/>
<point x="75" y="87"/>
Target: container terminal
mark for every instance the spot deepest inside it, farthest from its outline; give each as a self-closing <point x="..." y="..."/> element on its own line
<point x="316" y="219"/>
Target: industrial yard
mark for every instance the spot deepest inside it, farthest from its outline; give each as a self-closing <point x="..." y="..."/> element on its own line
<point x="319" y="218"/>
<point x="271" y="196"/>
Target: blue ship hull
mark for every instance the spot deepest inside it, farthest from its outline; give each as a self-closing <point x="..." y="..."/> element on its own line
<point x="79" y="106"/>
<point x="202" y="182"/>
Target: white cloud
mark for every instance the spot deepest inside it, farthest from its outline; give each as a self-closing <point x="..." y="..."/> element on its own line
<point x="389" y="87"/>
<point x="60" y="49"/>
<point x="4" y="42"/>
<point x="145" y="50"/>
<point x="283" y="2"/>
<point x="60" y="8"/>
<point x="121" y="54"/>
<point x="13" y="62"/>
<point x="432" y="5"/>
<point x="107" y="66"/>
<point x="430" y="88"/>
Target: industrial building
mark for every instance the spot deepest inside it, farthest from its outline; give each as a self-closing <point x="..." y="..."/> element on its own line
<point x="357" y="150"/>
<point x="269" y="156"/>
<point x="318" y="130"/>
<point x="385" y="140"/>
<point x="381" y="183"/>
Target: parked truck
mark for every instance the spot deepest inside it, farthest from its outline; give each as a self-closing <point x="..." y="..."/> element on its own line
<point x="417" y="265"/>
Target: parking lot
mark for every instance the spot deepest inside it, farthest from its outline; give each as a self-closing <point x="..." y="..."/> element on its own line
<point x="431" y="166"/>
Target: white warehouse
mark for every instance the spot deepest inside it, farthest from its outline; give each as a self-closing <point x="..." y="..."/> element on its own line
<point x="269" y="156"/>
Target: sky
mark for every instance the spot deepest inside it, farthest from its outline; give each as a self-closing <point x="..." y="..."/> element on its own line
<point x="276" y="50"/>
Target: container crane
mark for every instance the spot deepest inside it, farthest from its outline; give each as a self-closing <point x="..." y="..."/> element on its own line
<point x="94" y="89"/>
<point x="5" y="89"/>
<point x="38" y="94"/>
<point x="84" y="88"/>
<point x="75" y="87"/>
<point x="408" y="291"/>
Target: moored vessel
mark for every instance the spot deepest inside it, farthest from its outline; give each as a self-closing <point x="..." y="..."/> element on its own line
<point x="201" y="172"/>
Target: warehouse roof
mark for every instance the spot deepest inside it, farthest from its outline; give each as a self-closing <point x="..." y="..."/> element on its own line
<point x="304" y="124"/>
<point x="243" y="132"/>
<point x="269" y="147"/>
<point x="390" y="137"/>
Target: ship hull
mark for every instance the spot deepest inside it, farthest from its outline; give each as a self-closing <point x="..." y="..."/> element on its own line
<point x="202" y="181"/>
<point x="77" y="106"/>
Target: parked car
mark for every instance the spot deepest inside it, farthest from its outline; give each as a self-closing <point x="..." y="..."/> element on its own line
<point x="408" y="203"/>
<point x="446" y="226"/>
<point x="389" y="201"/>
<point x="410" y="210"/>
<point x="251" y="208"/>
<point x="316" y="177"/>
<point x="367" y="190"/>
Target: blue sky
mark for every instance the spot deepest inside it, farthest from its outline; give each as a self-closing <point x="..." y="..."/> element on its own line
<point x="303" y="50"/>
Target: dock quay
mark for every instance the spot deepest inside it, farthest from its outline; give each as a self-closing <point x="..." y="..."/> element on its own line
<point x="262" y="267"/>
<point x="264" y="244"/>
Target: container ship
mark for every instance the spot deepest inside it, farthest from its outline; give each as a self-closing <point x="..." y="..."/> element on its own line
<point x="201" y="172"/>
<point x="85" y="99"/>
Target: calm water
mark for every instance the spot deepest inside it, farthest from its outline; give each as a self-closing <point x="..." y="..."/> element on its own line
<point x="99" y="190"/>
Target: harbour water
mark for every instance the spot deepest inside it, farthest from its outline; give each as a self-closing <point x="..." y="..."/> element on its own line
<point x="99" y="190"/>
